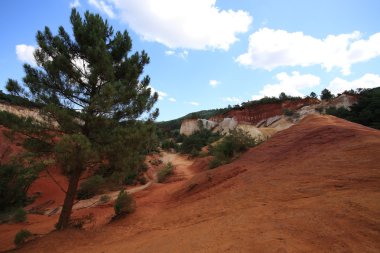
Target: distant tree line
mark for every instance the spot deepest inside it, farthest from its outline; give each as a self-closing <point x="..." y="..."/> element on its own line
<point x="366" y="111"/>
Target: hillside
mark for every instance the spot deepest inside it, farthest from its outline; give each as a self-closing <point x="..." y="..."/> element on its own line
<point x="313" y="187"/>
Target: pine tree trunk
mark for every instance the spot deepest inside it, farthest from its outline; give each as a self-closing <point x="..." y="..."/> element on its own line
<point x="64" y="218"/>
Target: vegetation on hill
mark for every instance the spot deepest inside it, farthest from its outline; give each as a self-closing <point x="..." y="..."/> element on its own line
<point x="269" y="100"/>
<point x="233" y="144"/>
<point x="366" y="111"/>
<point x="171" y="128"/>
<point x="14" y="99"/>
<point x="194" y="143"/>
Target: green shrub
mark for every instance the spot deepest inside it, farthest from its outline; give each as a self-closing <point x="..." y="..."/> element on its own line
<point x="288" y="112"/>
<point x="214" y="163"/>
<point x="21" y="236"/>
<point x="169" y="144"/>
<point x="130" y="178"/>
<point x="124" y="203"/>
<point x="142" y="180"/>
<point x="15" y="180"/>
<point x="104" y="199"/>
<point x="236" y="142"/>
<point x="91" y="187"/>
<point x="194" y="143"/>
<point x="19" y="215"/>
<point x="165" y="172"/>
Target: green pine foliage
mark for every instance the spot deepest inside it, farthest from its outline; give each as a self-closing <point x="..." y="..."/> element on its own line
<point x="326" y="94"/>
<point x="15" y="180"/>
<point x="91" y="84"/>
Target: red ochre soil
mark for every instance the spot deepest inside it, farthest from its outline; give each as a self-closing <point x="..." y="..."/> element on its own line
<point x="258" y="112"/>
<point x="314" y="187"/>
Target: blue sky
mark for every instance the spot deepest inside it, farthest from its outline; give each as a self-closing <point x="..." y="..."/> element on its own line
<point x="211" y="53"/>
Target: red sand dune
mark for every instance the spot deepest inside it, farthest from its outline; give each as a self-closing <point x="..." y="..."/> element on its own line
<point x="314" y="187"/>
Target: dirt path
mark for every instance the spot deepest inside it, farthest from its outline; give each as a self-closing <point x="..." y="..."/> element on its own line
<point x="180" y="162"/>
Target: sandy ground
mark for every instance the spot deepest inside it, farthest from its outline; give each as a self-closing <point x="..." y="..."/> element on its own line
<point x="314" y="187"/>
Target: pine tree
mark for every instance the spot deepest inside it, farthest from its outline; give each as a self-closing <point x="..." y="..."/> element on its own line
<point x="91" y="86"/>
<point x="326" y="94"/>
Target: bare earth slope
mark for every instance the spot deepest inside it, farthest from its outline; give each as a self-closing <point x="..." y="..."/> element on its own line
<point x="314" y="187"/>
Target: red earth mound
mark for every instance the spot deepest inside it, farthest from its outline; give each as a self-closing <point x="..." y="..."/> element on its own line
<point x="314" y="187"/>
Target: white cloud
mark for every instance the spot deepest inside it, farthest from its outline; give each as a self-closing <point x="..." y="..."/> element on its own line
<point x="170" y="52"/>
<point x="103" y="6"/>
<point x="172" y="100"/>
<point x="338" y="85"/>
<point x="161" y="94"/>
<point x="290" y="84"/>
<point x="194" y="103"/>
<point x="25" y="53"/>
<point x="190" y="24"/>
<point x="75" y="4"/>
<point x="214" y="83"/>
<point x="232" y="100"/>
<point x="181" y="54"/>
<point x="270" y="48"/>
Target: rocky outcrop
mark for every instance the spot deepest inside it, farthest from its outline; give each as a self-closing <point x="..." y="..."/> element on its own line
<point x="226" y="125"/>
<point x="22" y="111"/>
<point x="344" y="100"/>
<point x="189" y="126"/>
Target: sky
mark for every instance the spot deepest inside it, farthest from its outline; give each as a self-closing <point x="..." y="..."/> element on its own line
<point x="208" y="54"/>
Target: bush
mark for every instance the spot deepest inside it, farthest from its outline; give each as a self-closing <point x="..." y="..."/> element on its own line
<point x="288" y="112"/>
<point x="142" y="180"/>
<point x="236" y="142"/>
<point x="21" y="236"/>
<point x="104" y="199"/>
<point x="214" y="163"/>
<point x="169" y="144"/>
<point x="91" y="187"/>
<point x="165" y="172"/>
<point x="15" y="181"/>
<point x="194" y="143"/>
<point x="124" y="203"/>
<point x="19" y="215"/>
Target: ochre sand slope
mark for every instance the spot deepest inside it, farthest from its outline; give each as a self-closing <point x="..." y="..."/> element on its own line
<point x="314" y="187"/>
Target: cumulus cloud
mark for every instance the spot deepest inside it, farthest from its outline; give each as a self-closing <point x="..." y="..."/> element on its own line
<point x="190" y="24"/>
<point x="172" y="100"/>
<point x="181" y="54"/>
<point x="270" y="48"/>
<point x="214" y="83"/>
<point x="194" y="103"/>
<point x="75" y="4"/>
<point x="103" y="6"/>
<point x="338" y="85"/>
<point x="232" y="100"/>
<point x="290" y="84"/>
<point x="25" y="54"/>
